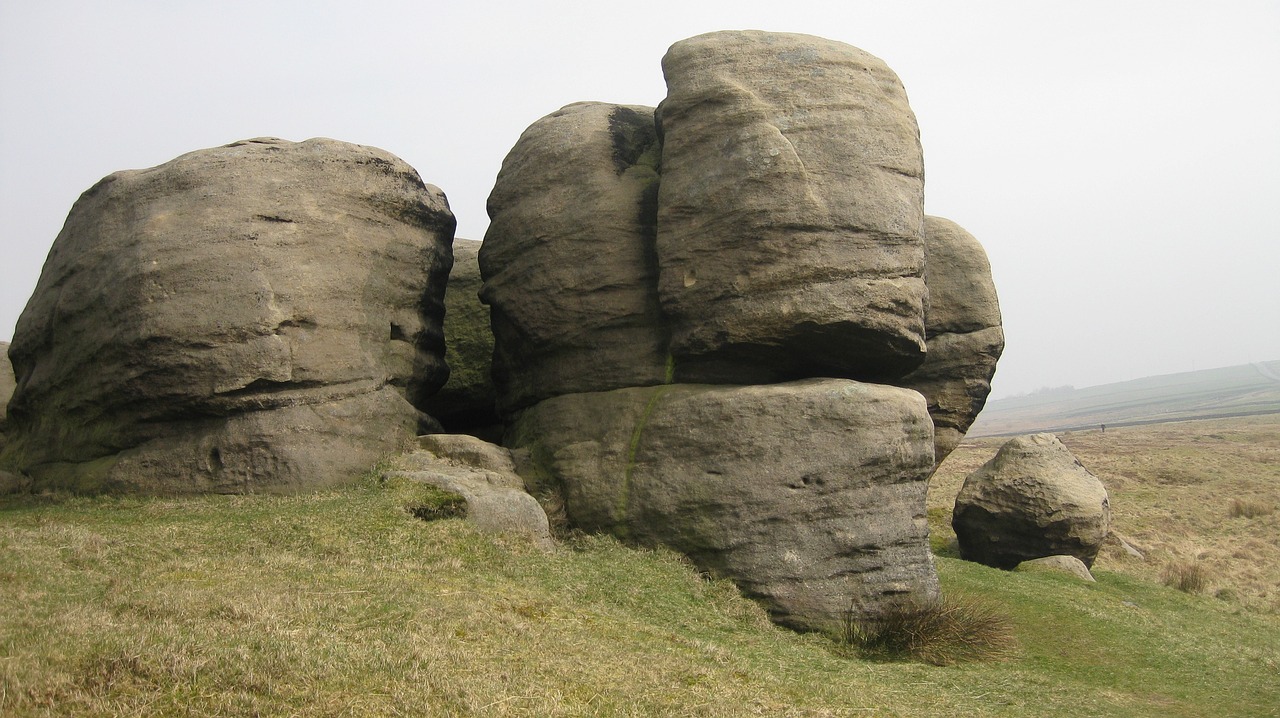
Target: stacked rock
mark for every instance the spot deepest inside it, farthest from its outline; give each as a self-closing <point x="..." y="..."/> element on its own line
<point x="713" y="322"/>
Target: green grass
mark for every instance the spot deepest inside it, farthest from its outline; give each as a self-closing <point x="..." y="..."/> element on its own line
<point x="346" y="604"/>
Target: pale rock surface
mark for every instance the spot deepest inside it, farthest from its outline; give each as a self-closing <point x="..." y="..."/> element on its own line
<point x="1032" y="499"/>
<point x="467" y="402"/>
<point x="809" y="495"/>
<point x="262" y="316"/>
<point x="484" y="476"/>
<point x="7" y="385"/>
<point x="790" y="211"/>
<point x="569" y="271"/>
<point x="1069" y="565"/>
<point x="964" y="334"/>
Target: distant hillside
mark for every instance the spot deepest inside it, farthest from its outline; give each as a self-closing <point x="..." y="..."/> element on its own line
<point x="1232" y="391"/>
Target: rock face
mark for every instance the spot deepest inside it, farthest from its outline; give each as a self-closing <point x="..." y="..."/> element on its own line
<point x="790" y="211"/>
<point x="467" y="402"/>
<point x="568" y="267"/>
<point x="263" y="316"/>
<point x="809" y="495"/>
<point x="965" y="338"/>
<point x="484" y="475"/>
<point x="1033" y="499"/>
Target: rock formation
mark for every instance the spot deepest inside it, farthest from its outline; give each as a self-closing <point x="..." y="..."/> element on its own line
<point x="1033" y="499"/>
<point x="263" y="316"/>
<point x="467" y="402"/>
<point x="703" y="316"/>
<point x="724" y="325"/>
<point x="964" y="335"/>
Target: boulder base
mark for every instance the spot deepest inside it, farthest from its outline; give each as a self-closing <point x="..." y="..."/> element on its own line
<point x="810" y="495"/>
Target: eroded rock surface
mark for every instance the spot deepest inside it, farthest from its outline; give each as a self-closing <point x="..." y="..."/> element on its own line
<point x="1032" y="499"/>
<point x="790" y="211"/>
<point x="809" y="495"/>
<point x="568" y="264"/>
<point x="263" y="316"/>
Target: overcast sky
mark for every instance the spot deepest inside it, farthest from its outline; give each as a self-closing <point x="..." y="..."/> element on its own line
<point x="1119" y="160"/>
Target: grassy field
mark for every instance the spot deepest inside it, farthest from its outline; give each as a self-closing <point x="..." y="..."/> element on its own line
<point x="345" y="604"/>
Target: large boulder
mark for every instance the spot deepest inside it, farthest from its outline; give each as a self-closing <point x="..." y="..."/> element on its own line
<point x="263" y="316"/>
<point x="569" y="271"/>
<point x="809" y="495"/>
<point x="965" y="337"/>
<point x="468" y="401"/>
<point x="1032" y="499"/>
<point x="790" y="211"/>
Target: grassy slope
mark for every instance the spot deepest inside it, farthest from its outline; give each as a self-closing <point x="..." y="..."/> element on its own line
<point x="344" y="604"/>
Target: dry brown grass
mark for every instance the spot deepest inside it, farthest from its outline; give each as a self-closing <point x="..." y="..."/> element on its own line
<point x="1167" y="483"/>
<point x="1249" y="508"/>
<point x="941" y="633"/>
<point x="1189" y="576"/>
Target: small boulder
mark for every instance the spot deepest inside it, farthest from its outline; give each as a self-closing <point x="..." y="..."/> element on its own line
<point x="484" y="476"/>
<point x="1033" y="499"/>
<point x="1069" y="565"/>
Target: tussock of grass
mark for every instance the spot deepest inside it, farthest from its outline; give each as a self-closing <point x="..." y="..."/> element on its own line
<point x="1189" y="576"/>
<point x="1249" y="508"/>
<point x="940" y="633"/>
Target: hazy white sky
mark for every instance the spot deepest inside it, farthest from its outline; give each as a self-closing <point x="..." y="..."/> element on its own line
<point x="1119" y="160"/>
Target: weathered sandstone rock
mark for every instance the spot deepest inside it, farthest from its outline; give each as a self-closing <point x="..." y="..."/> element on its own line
<point x="467" y="402"/>
<point x="1033" y="499"/>
<point x="484" y="475"/>
<point x="965" y="338"/>
<point x="568" y="265"/>
<point x="810" y="495"/>
<point x="263" y="316"/>
<point x="790" y="211"/>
